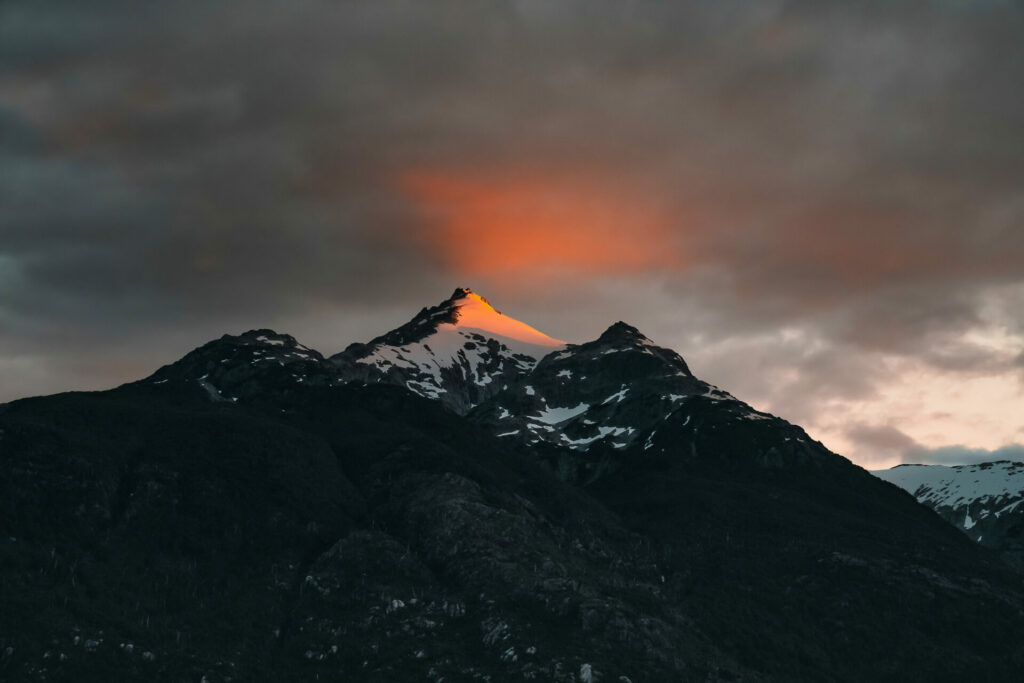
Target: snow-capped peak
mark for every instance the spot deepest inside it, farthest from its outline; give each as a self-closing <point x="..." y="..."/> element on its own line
<point x="985" y="501"/>
<point x="474" y="313"/>
<point x="461" y="351"/>
<point x="943" y="486"/>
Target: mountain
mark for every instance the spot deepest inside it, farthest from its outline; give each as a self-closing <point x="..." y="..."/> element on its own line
<point x="602" y="393"/>
<point x="461" y="352"/>
<point x="621" y="393"/>
<point x="985" y="501"/>
<point x="248" y="366"/>
<point x="466" y="499"/>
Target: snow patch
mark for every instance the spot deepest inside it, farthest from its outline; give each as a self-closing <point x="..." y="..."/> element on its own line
<point x="555" y="415"/>
<point x="940" y="485"/>
<point x="618" y="396"/>
<point x="466" y="344"/>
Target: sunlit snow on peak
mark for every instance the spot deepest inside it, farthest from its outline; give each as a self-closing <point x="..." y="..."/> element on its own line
<point x="466" y="358"/>
<point x="476" y="313"/>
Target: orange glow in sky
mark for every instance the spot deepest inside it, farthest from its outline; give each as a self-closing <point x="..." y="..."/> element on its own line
<point x="490" y="224"/>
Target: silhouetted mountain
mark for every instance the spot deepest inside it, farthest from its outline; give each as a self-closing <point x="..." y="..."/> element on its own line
<point x="437" y="506"/>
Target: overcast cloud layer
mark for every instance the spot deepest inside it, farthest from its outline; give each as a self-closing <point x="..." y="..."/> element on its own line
<point x="820" y="205"/>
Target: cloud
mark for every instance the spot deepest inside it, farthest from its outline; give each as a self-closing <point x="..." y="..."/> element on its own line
<point x="887" y="444"/>
<point x="548" y="225"/>
<point x="803" y="197"/>
<point x="886" y="440"/>
<point x="785" y="143"/>
<point x="962" y="455"/>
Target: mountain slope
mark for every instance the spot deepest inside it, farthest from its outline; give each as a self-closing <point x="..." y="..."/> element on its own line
<point x="985" y="501"/>
<point x="349" y="532"/>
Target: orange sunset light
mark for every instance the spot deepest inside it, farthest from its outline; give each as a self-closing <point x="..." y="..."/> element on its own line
<point x="486" y="224"/>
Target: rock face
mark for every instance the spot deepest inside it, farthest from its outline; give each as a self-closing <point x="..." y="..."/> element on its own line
<point x="985" y="501"/>
<point x="255" y="512"/>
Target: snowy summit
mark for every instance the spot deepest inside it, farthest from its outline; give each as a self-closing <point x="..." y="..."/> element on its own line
<point x="474" y="314"/>
<point x="461" y="351"/>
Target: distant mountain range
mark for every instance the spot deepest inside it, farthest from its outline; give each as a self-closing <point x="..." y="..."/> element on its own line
<point x="986" y="501"/>
<point x="465" y="498"/>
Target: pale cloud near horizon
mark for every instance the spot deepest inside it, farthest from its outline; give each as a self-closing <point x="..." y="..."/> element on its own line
<point x="818" y="204"/>
<point x="962" y="455"/>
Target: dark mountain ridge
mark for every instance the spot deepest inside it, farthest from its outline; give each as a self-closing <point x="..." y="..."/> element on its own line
<point x="256" y="511"/>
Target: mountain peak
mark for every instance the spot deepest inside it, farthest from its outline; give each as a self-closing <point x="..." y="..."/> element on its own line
<point x="262" y="336"/>
<point x="460" y="351"/>
<point x="621" y="331"/>
<point x="464" y="295"/>
<point x="476" y="313"/>
<point x="460" y="293"/>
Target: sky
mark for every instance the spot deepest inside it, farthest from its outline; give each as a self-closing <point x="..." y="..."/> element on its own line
<point x="819" y="205"/>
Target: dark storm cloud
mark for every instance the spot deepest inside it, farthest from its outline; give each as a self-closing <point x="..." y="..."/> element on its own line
<point x="183" y="169"/>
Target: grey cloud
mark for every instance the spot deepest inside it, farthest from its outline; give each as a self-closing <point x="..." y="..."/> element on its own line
<point x="883" y="442"/>
<point x="17" y="136"/>
<point x="881" y="436"/>
<point x="850" y="170"/>
<point x="962" y="455"/>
